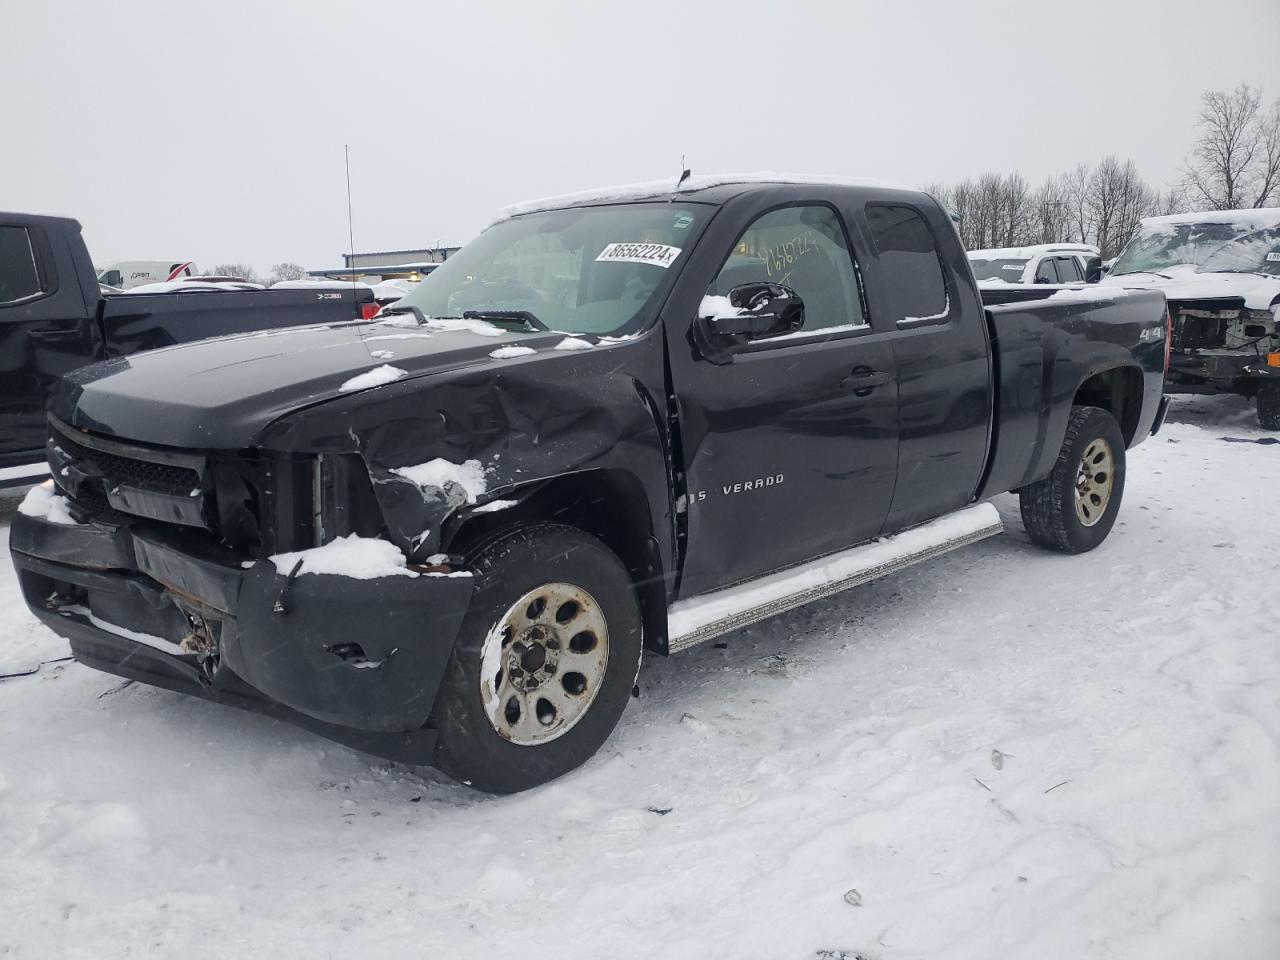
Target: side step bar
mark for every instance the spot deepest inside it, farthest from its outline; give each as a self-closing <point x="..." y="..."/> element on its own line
<point x="690" y="622"/>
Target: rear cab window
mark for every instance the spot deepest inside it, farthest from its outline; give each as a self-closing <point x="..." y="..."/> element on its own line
<point x="19" y="273"/>
<point x="910" y="263"/>
<point x="805" y="248"/>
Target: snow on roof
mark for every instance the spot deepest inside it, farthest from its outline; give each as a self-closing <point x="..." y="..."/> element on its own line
<point x="667" y="187"/>
<point x="319" y="285"/>
<point x="1026" y="253"/>
<point x="1243" y="220"/>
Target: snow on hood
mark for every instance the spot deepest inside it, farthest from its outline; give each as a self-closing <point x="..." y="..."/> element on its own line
<point x="1187" y="283"/>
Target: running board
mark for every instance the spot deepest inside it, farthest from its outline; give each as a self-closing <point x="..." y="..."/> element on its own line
<point x="690" y="622"/>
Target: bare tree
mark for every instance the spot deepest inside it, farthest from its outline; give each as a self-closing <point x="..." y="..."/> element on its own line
<point x="1117" y="198"/>
<point x="287" y="271"/>
<point x="241" y="270"/>
<point x="1051" y="213"/>
<point x="1235" y="162"/>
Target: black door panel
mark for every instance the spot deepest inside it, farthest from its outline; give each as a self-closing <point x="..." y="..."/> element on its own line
<point x="45" y="331"/>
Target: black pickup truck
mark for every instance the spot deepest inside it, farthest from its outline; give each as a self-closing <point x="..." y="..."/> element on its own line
<point x="53" y="318"/>
<point x="625" y="421"/>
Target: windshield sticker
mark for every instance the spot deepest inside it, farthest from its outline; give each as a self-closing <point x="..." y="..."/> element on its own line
<point x="1273" y="257"/>
<point x="682" y="222"/>
<point x="654" y="254"/>
<point x="1012" y="266"/>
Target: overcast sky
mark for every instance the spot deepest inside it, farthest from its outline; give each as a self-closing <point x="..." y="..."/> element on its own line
<point x="215" y="131"/>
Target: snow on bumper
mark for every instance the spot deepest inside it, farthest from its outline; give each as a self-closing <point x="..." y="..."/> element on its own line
<point x="360" y="655"/>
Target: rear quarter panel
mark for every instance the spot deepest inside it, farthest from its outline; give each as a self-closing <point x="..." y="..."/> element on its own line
<point x="1044" y="349"/>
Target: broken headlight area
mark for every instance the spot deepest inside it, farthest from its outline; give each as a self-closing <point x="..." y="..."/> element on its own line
<point x="252" y="503"/>
<point x="1220" y="325"/>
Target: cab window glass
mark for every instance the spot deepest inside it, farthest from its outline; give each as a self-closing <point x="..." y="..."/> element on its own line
<point x="803" y="248"/>
<point x="1069" y="270"/>
<point x="19" y="279"/>
<point x="910" y="262"/>
<point x="1046" y="273"/>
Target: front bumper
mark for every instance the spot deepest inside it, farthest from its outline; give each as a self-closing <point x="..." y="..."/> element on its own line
<point x="126" y="596"/>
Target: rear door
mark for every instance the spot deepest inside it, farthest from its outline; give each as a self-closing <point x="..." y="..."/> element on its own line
<point x="942" y="359"/>
<point x="45" y="331"/>
<point x="790" y="448"/>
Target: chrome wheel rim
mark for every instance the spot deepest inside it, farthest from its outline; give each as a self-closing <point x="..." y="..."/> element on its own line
<point x="543" y="663"/>
<point x="1095" y="481"/>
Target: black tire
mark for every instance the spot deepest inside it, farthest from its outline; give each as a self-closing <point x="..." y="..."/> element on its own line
<point x="470" y="748"/>
<point x="1048" y="506"/>
<point x="1269" y="405"/>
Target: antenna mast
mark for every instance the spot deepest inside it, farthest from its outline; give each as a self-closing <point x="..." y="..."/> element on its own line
<point x="351" y="230"/>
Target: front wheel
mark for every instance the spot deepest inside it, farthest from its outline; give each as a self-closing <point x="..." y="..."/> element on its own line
<point x="1269" y="404"/>
<point x="545" y="661"/>
<point x="1074" y="508"/>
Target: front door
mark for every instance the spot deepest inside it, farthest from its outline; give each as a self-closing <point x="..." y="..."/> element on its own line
<point x="45" y="331"/>
<point x="790" y="450"/>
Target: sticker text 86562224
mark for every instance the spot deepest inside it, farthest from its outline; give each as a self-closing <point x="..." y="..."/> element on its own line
<point x="656" y="254"/>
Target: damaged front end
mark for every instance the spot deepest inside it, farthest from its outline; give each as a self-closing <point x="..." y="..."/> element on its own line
<point x="158" y="567"/>
<point x="1219" y="344"/>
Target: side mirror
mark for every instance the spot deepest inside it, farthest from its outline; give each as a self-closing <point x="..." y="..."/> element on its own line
<point x="1093" y="270"/>
<point x="753" y="310"/>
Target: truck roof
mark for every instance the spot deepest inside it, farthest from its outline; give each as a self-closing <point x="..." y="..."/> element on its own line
<point x="1244" y="220"/>
<point x="711" y="188"/>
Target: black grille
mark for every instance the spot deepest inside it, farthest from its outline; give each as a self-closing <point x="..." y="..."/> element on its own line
<point x="115" y="481"/>
<point x="116" y="470"/>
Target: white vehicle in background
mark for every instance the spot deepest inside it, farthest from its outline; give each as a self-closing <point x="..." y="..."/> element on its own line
<point x="1040" y="263"/>
<point x="1220" y="274"/>
<point x="134" y="273"/>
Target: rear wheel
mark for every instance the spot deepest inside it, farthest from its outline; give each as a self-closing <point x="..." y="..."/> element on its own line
<point x="544" y="664"/>
<point x="1269" y="404"/>
<point x="1074" y="508"/>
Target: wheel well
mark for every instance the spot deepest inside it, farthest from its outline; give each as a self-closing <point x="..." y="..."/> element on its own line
<point x="1119" y="392"/>
<point x="608" y="504"/>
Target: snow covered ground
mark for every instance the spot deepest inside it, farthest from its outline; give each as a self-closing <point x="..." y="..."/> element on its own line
<point x="1004" y="754"/>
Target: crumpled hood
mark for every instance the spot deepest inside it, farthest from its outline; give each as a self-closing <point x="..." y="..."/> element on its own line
<point x="1187" y="283"/>
<point x="218" y="394"/>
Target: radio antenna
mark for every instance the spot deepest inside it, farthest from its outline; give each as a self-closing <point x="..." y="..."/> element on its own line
<point x="351" y="230"/>
<point x="685" y="173"/>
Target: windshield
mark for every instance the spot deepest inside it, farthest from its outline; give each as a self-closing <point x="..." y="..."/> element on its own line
<point x="1210" y="247"/>
<point x="582" y="270"/>
<point x="1009" y="270"/>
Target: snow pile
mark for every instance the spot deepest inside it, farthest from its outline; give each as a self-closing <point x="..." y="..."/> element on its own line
<point x="440" y="474"/>
<point x="319" y="285"/>
<point x="713" y="305"/>
<point x="481" y="327"/>
<point x="41" y="502"/>
<point x="360" y="558"/>
<point x="574" y="343"/>
<point x="194" y="286"/>
<point x="510" y="353"/>
<point x="376" y="377"/>
<point x="1243" y="221"/>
